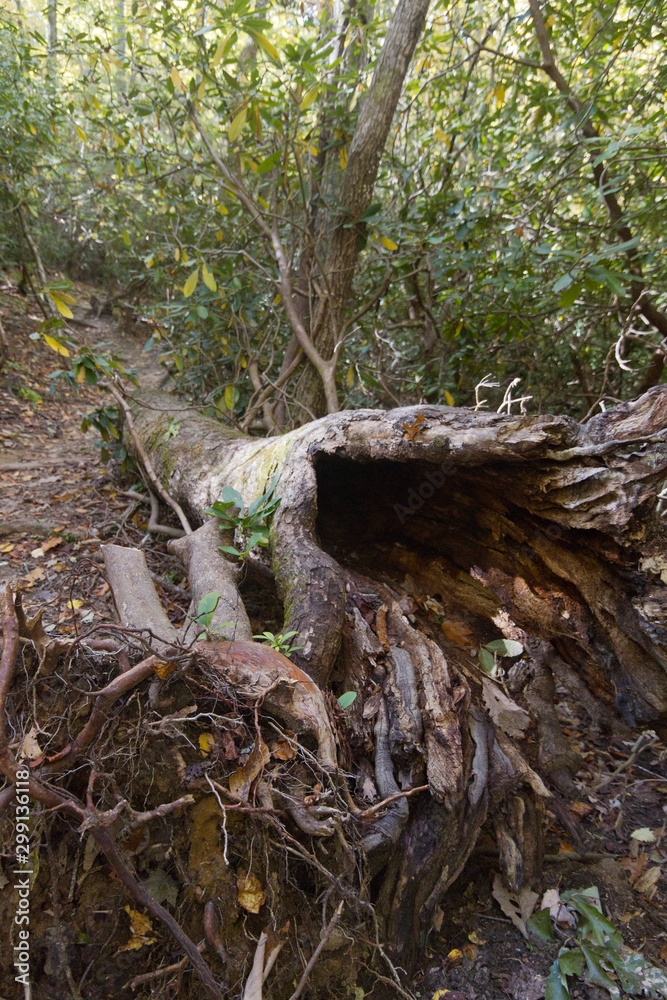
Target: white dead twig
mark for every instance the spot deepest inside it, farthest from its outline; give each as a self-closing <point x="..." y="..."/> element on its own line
<point x="484" y="384"/>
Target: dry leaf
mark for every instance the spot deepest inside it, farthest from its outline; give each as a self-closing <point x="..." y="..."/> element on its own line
<point x="438" y="917"/>
<point x="566" y="848"/>
<point x="411" y="431"/>
<point x="30" y="748"/>
<point x="241" y="780"/>
<point x="163" y="669"/>
<point x="206" y="743"/>
<point x="141" y="928"/>
<point x="372" y="704"/>
<point x="6" y="547"/>
<point x="648" y="882"/>
<point x="518" y="906"/>
<point x="454" y="956"/>
<point x="635" y="866"/>
<point x="506" y="714"/>
<point x="251" y="894"/>
<point x="558" y="911"/>
<point x="282" y="750"/>
<point x="458" y="632"/>
<point x="580" y="809"/>
<point x="475" y="938"/>
<point x="31" y="578"/>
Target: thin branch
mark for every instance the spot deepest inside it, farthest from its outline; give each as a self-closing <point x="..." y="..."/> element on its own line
<point x="148" y="465"/>
<point x="318" y="951"/>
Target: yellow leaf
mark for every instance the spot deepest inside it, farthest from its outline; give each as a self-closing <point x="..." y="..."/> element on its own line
<point x="388" y="244"/>
<point x="33" y="129"/>
<point x="81" y="374"/>
<point x="69" y="299"/>
<point x="222" y="210"/>
<point x="350" y="376"/>
<point x="551" y="20"/>
<point x="209" y="280"/>
<point x="251" y="894"/>
<point x="184" y="256"/>
<point x="54" y="344"/>
<point x="219" y="53"/>
<point x="500" y="95"/>
<point x="449" y="399"/>
<point x="201" y="91"/>
<point x="63" y="309"/>
<point x="266" y="45"/>
<point x="206" y="743"/>
<point x="191" y="283"/>
<point x="218" y="235"/>
<point x="244" y="363"/>
<point x="176" y="79"/>
<point x="237" y="125"/>
<point x="81" y="134"/>
<point x="342" y="156"/>
<point x="75" y="604"/>
<point x="229" y="397"/>
<point x="141" y="928"/>
<point x="149" y="262"/>
<point x="310" y="97"/>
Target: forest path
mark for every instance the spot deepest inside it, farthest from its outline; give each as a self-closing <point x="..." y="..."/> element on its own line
<point x="57" y="498"/>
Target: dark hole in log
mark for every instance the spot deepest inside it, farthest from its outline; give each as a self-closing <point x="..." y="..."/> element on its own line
<point x="480" y="541"/>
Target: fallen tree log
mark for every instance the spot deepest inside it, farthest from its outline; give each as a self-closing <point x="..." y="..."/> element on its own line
<point x="404" y="543"/>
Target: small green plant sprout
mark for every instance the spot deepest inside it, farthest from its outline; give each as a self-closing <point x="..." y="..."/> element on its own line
<point x="347" y="699"/>
<point x="489" y="653"/>
<point x="281" y="642"/>
<point x="595" y="953"/>
<point x="205" y="611"/>
<point x="253" y="524"/>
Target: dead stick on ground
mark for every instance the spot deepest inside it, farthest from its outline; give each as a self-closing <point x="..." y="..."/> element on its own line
<point x="148" y="465"/>
<point x="318" y="951"/>
<point x="147" y="977"/>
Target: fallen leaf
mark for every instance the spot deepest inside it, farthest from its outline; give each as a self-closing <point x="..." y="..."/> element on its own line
<point x="475" y="938"/>
<point x="438" y="917"/>
<point x="30" y="748"/>
<point x="648" y="882"/>
<point x="506" y="714"/>
<point x="31" y="578"/>
<point x="282" y="750"/>
<point x="518" y="906"/>
<point x="635" y="866"/>
<point x="580" y="809"/>
<point x="251" y="894"/>
<point x="206" y="743"/>
<point x="141" y="928"/>
<point x="566" y="848"/>
<point x="163" y="669"/>
<point x="644" y="835"/>
<point x="454" y="956"/>
<point x="241" y="780"/>
<point x="558" y="911"/>
<point x="75" y="604"/>
<point x="663" y="953"/>
<point x="6" y="547"/>
<point x="411" y="431"/>
<point x="458" y="632"/>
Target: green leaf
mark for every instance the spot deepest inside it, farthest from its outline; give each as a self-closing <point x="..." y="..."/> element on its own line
<point x="554" y="989"/>
<point x="487" y="661"/>
<point x="232" y="496"/>
<point x="346" y="699"/>
<point x="504" y="647"/>
<point x="191" y="283"/>
<point x="539" y="924"/>
<point x="230" y="550"/>
<point x="237" y="125"/>
<point x="209" y="280"/>
<point x="208" y="603"/>
<point x="569" y="297"/>
<point x="309" y="97"/>
<point x="571" y="961"/>
<point x="266" y="46"/>
<point x="596" y="972"/>
<point x="255" y="539"/>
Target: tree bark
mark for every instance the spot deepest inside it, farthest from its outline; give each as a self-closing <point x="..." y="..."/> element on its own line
<point x="341" y="245"/>
<point x="398" y="554"/>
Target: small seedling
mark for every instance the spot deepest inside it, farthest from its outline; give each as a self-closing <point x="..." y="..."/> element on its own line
<point x="205" y="611"/>
<point x="489" y="653"/>
<point x="252" y="524"/>
<point x="281" y="642"/>
<point x="347" y="699"/>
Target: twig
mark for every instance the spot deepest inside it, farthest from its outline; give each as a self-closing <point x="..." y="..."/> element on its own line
<point x="153" y="526"/>
<point x="10" y="649"/>
<point x="147" y="977"/>
<point x="148" y="465"/>
<point x="318" y="951"/>
<point x="363" y="814"/>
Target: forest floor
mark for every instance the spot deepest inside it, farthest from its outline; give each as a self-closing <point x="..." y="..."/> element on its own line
<point x="59" y="503"/>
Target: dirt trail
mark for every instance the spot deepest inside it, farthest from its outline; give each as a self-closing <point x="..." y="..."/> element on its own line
<point x="57" y="499"/>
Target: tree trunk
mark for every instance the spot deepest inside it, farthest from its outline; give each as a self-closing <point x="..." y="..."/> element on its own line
<point x="404" y="542"/>
<point x="52" y="40"/>
<point x="339" y="250"/>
